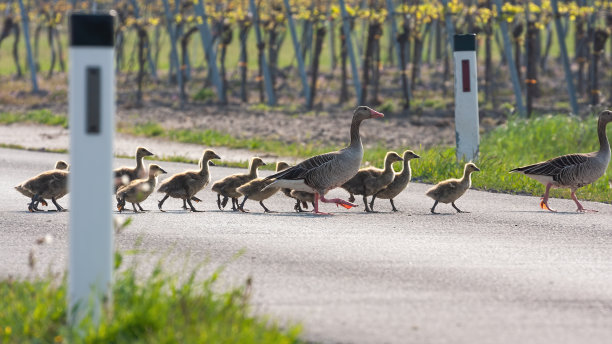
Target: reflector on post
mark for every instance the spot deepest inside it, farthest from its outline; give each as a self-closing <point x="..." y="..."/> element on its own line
<point x="466" y="97"/>
<point x="91" y="106"/>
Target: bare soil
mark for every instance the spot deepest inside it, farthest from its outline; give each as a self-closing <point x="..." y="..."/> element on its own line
<point x="327" y="124"/>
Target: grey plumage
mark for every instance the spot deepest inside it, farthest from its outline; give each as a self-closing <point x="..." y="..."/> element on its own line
<point x="324" y="172"/>
<point x="573" y="171"/>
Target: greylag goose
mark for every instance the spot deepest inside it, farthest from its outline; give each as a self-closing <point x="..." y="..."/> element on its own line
<point x="186" y="184"/>
<point x="124" y="175"/>
<point x="324" y="172"/>
<point x="51" y="184"/>
<point x="302" y="197"/>
<point x="59" y="165"/>
<point x="138" y="190"/>
<point x="399" y="183"/>
<point x="370" y="180"/>
<point x="450" y="190"/>
<point x="573" y="171"/>
<point x="253" y="189"/>
<point x="227" y="186"/>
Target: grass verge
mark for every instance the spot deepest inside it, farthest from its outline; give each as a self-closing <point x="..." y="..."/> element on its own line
<point x="37" y="116"/>
<point x="517" y="143"/>
<point x="156" y="310"/>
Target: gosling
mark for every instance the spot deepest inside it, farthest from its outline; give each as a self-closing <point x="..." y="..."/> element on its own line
<point x="369" y="181"/>
<point x="51" y="184"/>
<point x="59" y="165"/>
<point x="302" y="197"/>
<point x="450" y="190"/>
<point x="400" y="182"/>
<point x="253" y="189"/>
<point x="138" y="190"/>
<point x="227" y="186"/>
<point x="186" y="184"/>
<point x="124" y="175"/>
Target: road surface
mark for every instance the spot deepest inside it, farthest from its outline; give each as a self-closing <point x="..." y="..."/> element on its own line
<point x="507" y="272"/>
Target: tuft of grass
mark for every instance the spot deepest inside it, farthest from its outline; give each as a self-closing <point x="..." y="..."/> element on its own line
<point x="158" y="309"/>
<point x="43" y="116"/>
<point x="204" y="94"/>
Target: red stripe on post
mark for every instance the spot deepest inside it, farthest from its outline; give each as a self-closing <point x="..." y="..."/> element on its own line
<point x="465" y="71"/>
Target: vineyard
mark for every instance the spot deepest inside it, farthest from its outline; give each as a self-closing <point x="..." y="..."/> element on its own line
<point x="300" y="55"/>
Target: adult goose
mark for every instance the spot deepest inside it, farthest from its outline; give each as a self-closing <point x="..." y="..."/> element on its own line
<point x="59" y="165"/>
<point x="227" y="186"/>
<point x="370" y="180"/>
<point x="138" y="190"/>
<point x="573" y="171"/>
<point x="124" y="175"/>
<point x="448" y="191"/>
<point x="322" y="173"/>
<point x="186" y="184"/>
<point x="399" y="183"/>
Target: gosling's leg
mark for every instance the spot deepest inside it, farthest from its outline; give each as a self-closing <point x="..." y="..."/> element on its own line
<point x="184" y="204"/>
<point x="134" y="206"/>
<point x="365" y="204"/>
<point x="241" y="206"/>
<point x="139" y="207"/>
<point x="219" y="201"/>
<point x="305" y="205"/>
<point x="393" y="205"/>
<point x="224" y="202"/>
<point x="351" y="197"/>
<point x="266" y="210"/>
<point x="59" y="207"/>
<point x="235" y="204"/>
<point x="544" y="200"/>
<point x="433" y="209"/>
<point x="581" y="209"/>
<point x="458" y="210"/>
<point x="372" y="202"/>
<point x="297" y="206"/>
<point x="33" y="205"/>
<point x="159" y="204"/>
<point x="120" y="203"/>
<point x="191" y="205"/>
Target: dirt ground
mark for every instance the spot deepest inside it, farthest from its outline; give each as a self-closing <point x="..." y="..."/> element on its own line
<point x="328" y="123"/>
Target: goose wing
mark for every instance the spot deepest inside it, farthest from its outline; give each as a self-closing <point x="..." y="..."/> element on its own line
<point x="555" y="166"/>
<point x="300" y="170"/>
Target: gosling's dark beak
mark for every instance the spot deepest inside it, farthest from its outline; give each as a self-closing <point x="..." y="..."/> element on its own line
<point x="401" y="159"/>
<point x="263" y="163"/>
<point x="416" y="156"/>
<point x="162" y="171"/>
<point x="210" y="163"/>
<point x="217" y="157"/>
<point x="147" y="153"/>
<point x="477" y="169"/>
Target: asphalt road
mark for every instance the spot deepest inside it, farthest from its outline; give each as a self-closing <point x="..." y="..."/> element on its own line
<point x="507" y="272"/>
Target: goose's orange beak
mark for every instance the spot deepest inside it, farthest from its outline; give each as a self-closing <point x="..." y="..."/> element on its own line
<point x="376" y="114"/>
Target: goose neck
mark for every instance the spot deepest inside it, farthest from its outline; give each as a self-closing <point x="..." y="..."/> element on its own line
<point x="253" y="171"/>
<point x="203" y="166"/>
<point x="604" y="145"/>
<point x="406" y="169"/>
<point x="355" y="136"/>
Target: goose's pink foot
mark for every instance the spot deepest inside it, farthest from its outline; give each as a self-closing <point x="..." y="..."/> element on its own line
<point x="338" y="201"/>
<point x="544" y="200"/>
<point x="581" y="209"/>
<point x="316" y="206"/>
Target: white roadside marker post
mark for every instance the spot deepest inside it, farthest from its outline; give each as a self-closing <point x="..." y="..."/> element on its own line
<point x="91" y="105"/>
<point x="466" y="97"/>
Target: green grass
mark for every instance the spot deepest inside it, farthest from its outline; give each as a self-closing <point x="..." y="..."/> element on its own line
<point x="37" y="116"/>
<point x="158" y="309"/>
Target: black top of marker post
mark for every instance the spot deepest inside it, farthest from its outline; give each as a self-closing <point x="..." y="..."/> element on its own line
<point x="465" y="42"/>
<point x="92" y="30"/>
